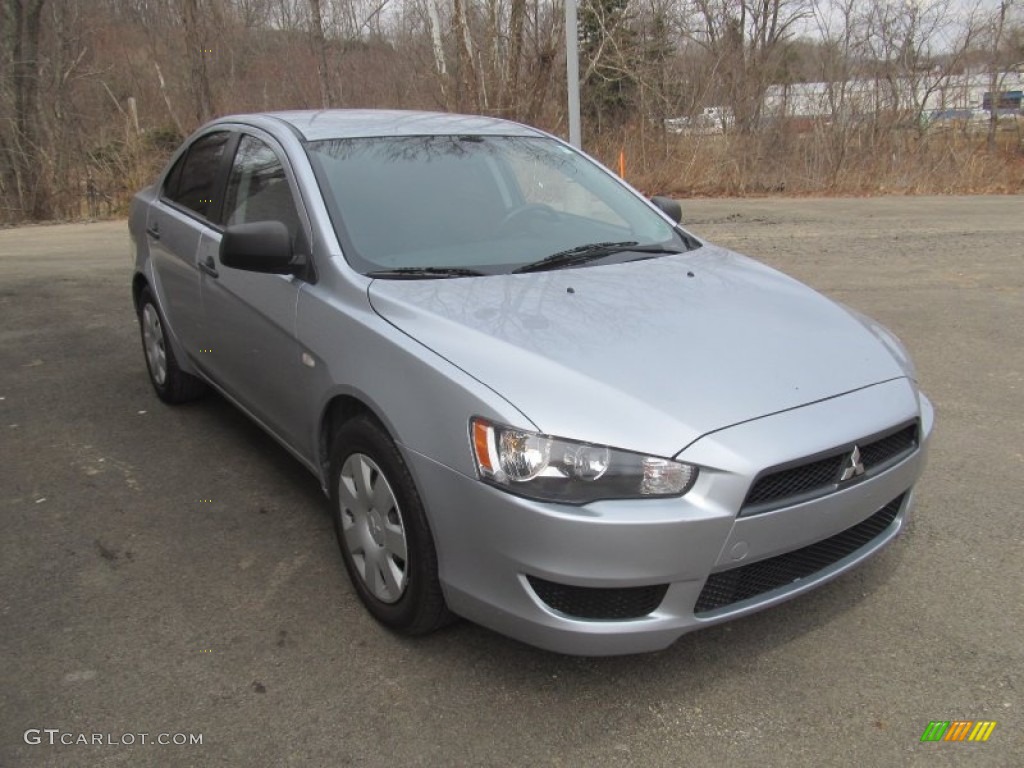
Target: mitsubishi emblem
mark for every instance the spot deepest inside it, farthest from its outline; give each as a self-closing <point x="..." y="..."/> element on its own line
<point x="853" y="467"/>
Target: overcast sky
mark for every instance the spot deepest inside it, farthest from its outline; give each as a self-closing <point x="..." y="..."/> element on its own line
<point x="955" y="11"/>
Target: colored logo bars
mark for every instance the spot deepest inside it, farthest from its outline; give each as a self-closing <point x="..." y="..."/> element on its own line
<point x="958" y="730"/>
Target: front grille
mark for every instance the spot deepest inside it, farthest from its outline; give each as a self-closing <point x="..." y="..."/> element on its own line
<point x="795" y="481"/>
<point x="599" y="603"/>
<point x="889" y="447"/>
<point x="747" y="581"/>
<point x="821" y="475"/>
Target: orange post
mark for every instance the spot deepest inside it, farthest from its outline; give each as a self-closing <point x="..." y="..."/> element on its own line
<point x="622" y="163"/>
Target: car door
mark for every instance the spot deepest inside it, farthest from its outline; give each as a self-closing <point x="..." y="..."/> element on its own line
<point x="187" y="207"/>
<point x="249" y="336"/>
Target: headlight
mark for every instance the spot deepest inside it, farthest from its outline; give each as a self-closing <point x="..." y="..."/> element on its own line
<point x="555" y="469"/>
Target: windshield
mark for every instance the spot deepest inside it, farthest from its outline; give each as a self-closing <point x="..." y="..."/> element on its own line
<point x="465" y="205"/>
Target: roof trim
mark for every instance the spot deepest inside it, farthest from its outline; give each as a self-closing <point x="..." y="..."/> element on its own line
<point x="315" y="125"/>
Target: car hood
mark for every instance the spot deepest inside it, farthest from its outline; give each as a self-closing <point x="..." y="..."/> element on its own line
<point x="648" y="355"/>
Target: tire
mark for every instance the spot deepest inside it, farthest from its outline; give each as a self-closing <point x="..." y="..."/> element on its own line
<point x="172" y="385"/>
<point x="382" y="531"/>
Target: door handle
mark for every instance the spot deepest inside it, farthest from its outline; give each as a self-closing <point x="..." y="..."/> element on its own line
<point x="154" y="231"/>
<point x="208" y="266"/>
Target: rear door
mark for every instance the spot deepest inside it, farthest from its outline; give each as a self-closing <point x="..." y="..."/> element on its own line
<point x="187" y="209"/>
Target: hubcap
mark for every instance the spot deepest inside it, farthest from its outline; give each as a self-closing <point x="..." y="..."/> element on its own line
<point x="371" y="525"/>
<point x="153" y="341"/>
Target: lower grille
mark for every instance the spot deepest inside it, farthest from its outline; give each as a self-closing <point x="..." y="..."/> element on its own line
<point x="599" y="603"/>
<point x="747" y="581"/>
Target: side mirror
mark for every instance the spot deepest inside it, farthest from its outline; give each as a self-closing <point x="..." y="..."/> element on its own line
<point x="669" y="207"/>
<point x="260" y="246"/>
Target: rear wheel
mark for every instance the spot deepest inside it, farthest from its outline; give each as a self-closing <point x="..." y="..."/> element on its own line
<point x="172" y="385"/>
<point x="382" y="531"/>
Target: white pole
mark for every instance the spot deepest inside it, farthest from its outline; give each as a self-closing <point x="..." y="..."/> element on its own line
<point x="572" y="73"/>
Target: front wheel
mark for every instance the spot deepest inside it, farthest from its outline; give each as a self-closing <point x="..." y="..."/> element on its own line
<point x="383" y="532"/>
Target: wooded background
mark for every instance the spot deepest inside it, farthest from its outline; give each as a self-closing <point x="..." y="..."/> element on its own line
<point x="95" y="94"/>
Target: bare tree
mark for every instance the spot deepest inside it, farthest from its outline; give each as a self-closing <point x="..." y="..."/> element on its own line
<point x="905" y="41"/>
<point x="327" y="98"/>
<point x="197" y="35"/>
<point x="94" y="94"/>
<point x="467" y="96"/>
<point x="22" y="137"/>
<point x="997" y="34"/>
<point x="438" y="46"/>
<point x="517" y="20"/>
<point x="746" y="39"/>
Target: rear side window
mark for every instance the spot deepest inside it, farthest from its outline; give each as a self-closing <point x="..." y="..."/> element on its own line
<point x="193" y="180"/>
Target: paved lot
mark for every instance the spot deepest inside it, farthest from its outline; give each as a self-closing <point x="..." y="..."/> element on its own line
<point x="129" y="605"/>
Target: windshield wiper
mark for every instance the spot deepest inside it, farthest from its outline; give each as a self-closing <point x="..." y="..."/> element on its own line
<point x="591" y="252"/>
<point x="413" y="273"/>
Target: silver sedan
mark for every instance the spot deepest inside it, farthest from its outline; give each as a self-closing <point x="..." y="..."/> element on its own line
<point x="534" y="399"/>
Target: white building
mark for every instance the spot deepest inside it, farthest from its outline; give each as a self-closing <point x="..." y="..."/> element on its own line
<point x="930" y="92"/>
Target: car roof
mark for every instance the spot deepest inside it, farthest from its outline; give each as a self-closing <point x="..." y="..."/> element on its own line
<point x="315" y="125"/>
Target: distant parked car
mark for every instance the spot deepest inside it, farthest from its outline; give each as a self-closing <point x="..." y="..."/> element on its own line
<point x="533" y="399"/>
<point x="954" y="119"/>
<point x="710" y="121"/>
<point x="953" y="115"/>
<point x="1006" y="119"/>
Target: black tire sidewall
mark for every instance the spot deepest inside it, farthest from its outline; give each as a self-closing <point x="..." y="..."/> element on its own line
<point x="178" y="386"/>
<point x="163" y="390"/>
<point x="417" y="610"/>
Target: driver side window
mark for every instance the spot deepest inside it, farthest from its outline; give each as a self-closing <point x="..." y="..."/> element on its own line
<point x="258" y="189"/>
<point x="557" y="187"/>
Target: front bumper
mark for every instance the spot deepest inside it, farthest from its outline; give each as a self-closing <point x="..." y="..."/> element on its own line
<point x="496" y="550"/>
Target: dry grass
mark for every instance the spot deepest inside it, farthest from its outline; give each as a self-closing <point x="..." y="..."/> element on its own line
<point x="820" y="161"/>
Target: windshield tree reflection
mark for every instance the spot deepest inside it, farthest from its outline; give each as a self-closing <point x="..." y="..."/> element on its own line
<point x="487" y="203"/>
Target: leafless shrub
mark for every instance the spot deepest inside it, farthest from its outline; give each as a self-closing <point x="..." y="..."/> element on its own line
<point x="699" y="96"/>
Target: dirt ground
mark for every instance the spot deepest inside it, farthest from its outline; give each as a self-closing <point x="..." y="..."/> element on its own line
<point x="129" y="605"/>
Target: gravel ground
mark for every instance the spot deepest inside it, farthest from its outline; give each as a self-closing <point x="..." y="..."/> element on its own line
<point x="129" y="605"/>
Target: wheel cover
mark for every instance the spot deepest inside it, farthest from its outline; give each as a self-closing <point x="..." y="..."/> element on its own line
<point x="153" y="341"/>
<point x="372" y="528"/>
